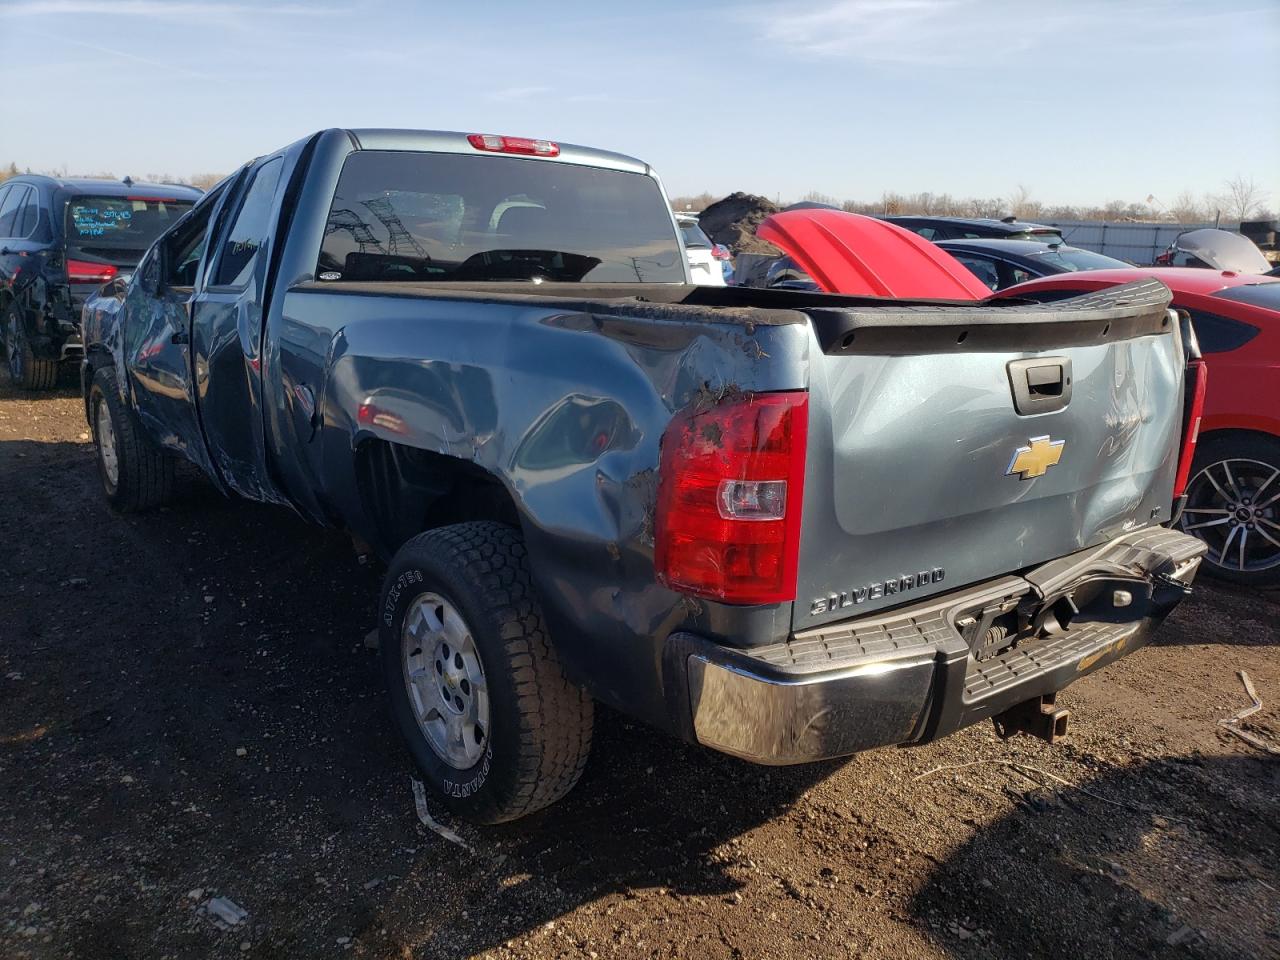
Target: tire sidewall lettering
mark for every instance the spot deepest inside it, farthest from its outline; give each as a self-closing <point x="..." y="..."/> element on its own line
<point x="461" y="789"/>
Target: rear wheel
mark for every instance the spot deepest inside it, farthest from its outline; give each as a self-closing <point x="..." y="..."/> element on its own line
<point x="475" y="685"/>
<point x="25" y="370"/>
<point x="136" y="474"/>
<point x="1233" y="505"/>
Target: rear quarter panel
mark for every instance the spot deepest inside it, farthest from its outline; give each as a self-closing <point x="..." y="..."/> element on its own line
<point x="504" y="386"/>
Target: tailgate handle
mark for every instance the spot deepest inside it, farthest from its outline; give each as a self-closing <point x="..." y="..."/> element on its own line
<point x="1042" y="385"/>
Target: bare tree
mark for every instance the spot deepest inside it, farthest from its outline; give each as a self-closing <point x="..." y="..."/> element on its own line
<point x="1187" y="208"/>
<point x="1242" y="197"/>
<point x="816" y="196"/>
<point x="1022" y="206"/>
<point x="206" y="180"/>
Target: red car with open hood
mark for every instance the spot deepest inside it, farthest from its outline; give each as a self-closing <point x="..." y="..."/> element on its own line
<point x="1233" y="496"/>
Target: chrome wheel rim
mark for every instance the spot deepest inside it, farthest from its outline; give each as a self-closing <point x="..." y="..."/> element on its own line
<point x="445" y="681"/>
<point x="1234" y="507"/>
<point x="106" y="435"/>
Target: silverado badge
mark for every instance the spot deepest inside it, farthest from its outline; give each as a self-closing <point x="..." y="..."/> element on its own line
<point x="1035" y="459"/>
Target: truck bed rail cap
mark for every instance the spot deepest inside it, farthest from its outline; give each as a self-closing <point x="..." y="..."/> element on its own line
<point x="1117" y="313"/>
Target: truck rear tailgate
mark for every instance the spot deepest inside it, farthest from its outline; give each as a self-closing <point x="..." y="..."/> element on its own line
<point x="952" y="444"/>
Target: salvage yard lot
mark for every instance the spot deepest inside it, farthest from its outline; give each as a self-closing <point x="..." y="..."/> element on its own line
<point x="188" y="711"/>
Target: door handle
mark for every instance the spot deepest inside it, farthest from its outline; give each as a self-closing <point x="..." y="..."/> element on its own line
<point x="1040" y="385"/>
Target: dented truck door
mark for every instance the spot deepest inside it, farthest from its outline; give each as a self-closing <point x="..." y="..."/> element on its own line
<point x="155" y="332"/>
<point x="226" y="339"/>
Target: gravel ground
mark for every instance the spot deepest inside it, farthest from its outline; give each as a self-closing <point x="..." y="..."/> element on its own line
<point x="188" y="711"/>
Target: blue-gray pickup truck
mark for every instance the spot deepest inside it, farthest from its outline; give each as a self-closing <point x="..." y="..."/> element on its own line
<point x="785" y="525"/>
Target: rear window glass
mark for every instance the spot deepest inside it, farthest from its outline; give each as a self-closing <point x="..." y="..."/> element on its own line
<point x="1069" y="259"/>
<point x="1256" y="294"/>
<point x="128" y="222"/>
<point x="453" y="217"/>
<point x="694" y="238"/>
<point x="1043" y="236"/>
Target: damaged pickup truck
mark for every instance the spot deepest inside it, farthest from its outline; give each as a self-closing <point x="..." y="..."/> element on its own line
<point x="785" y="525"/>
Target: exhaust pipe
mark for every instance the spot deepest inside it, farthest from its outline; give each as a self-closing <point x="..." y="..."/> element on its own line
<point x="1039" y="717"/>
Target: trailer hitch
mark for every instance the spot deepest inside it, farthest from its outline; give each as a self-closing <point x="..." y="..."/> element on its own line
<point x="1039" y="717"/>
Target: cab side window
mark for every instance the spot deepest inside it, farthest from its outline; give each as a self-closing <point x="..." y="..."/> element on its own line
<point x="248" y="234"/>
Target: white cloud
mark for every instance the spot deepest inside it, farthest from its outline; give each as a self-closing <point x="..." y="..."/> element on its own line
<point x="179" y="11"/>
<point x="515" y="94"/>
<point x="986" y="32"/>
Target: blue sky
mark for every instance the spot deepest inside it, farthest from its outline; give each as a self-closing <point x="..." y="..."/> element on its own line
<point x="1081" y="101"/>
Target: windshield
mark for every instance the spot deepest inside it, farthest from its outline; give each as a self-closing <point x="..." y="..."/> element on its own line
<point x="1068" y="259"/>
<point x="119" y="228"/>
<point x="1265" y="295"/>
<point x="694" y="238"/>
<point x="443" y="216"/>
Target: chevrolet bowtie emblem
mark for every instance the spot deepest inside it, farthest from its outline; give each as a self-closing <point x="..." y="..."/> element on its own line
<point x="1036" y="458"/>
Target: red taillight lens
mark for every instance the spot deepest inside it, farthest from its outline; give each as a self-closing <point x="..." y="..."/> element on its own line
<point x="721" y="252"/>
<point x="729" y="497"/>
<point x="1164" y="259"/>
<point x="80" y="272"/>
<point x="1197" y="380"/>
<point x="496" y="144"/>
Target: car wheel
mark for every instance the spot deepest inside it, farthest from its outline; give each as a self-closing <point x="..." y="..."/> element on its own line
<point x="1233" y="505"/>
<point x="475" y="685"/>
<point x="136" y="475"/>
<point x="25" y="370"/>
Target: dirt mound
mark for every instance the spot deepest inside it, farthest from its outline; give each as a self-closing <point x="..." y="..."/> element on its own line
<point x="733" y="221"/>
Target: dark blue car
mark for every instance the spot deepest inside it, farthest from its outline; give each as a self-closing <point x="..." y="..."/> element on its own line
<point x="60" y="240"/>
<point x="1002" y="263"/>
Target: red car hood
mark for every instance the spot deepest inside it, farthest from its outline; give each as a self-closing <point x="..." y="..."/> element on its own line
<point x="852" y="254"/>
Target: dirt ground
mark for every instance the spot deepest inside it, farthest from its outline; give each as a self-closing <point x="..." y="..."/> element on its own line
<point x="188" y="711"/>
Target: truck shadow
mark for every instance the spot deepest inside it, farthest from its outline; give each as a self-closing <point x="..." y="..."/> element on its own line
<point x="1246" y="612"/>
<point x="1180" y="863"/>
<point x="199" y="677"/>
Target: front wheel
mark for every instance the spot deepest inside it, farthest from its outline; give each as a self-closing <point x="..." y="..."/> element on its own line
<point x="475" y="685"/>
<point x="1233" y="505"/>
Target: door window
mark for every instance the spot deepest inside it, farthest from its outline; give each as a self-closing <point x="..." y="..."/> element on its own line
<point x="248" y="234"/>
<point x="28" y="215"/>
<point x="981" y="268"/>
<point x="9" y="209"/>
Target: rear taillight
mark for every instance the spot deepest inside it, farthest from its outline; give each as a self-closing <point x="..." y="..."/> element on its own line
<point x="1197" y="379"/>
<point x="721" y="252"/>
<point x="78" y="271"/>
<point x="729" y="498"/>
<point x="493" y="143"/>
<point x="1164" y="259"/>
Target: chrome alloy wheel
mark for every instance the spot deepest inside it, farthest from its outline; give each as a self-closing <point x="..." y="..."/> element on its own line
<point x="107" y="443"/>
<point x="445" y="681"/>
<point x="1234" y="507"/>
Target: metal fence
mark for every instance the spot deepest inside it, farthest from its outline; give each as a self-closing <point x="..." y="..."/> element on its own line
<point x="1136" y="242"/>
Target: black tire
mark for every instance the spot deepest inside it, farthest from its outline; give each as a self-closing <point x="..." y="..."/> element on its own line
<point x="143" y="475"/>
<point x="25" y="370"/>
<point x="539" y="730"/>
<point x="1253" y="464"/>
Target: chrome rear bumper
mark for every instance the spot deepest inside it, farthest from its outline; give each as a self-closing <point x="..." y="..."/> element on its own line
<point x="910" y="675"/>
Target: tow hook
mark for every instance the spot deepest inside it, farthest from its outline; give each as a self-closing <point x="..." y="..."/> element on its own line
<point x="1169" y="580"/>
<point x="1039" y="717"/>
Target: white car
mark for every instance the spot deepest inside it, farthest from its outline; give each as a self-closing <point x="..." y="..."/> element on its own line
<point x="706" y="259"/>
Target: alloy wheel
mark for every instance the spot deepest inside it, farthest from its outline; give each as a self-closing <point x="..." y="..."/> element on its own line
<point x="445" y="680"/>
<point x="107" y="444"/>
<point x="1234" y="507"/>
